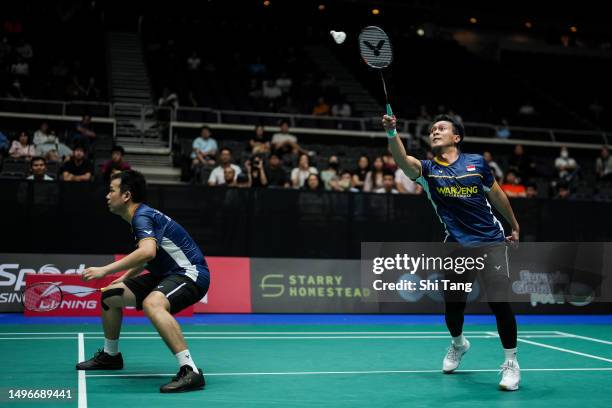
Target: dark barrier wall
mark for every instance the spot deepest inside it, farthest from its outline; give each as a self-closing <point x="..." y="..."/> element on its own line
<point x="68" y="217"/>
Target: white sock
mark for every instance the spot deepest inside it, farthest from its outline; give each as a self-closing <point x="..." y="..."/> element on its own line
<point x="184" y="358"/>
<point x="510" y="354"/>
<point x="459" y="341"/>
<point x="111" y="347"/>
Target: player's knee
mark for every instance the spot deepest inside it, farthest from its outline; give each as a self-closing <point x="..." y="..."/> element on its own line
<point x="111" y="298"/>
<point x="154" y="302"/>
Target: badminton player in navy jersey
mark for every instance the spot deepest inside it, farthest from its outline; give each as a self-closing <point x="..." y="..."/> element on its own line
<point x="460" y="187"/>
<point x="178" y="278"/>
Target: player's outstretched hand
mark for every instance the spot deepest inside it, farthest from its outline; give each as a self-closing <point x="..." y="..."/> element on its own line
<point x="93" y="273"/>
<point x="389" y="122"/>
<point x="513" y="239"/>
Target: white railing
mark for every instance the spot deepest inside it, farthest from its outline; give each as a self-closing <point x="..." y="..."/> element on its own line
<point x="166" y="120"/>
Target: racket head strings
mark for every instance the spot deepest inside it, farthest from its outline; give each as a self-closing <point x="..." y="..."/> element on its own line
<point x="375" y="47"/>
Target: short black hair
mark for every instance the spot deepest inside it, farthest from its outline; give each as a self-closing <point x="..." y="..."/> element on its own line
<point x="134" y="182"/>
<point x="119" y="149"/>
<point x="225" y="148"/>
<point x="204" y="127"/>
<point x="457" y="126"/>
<point x="37" y="158"/>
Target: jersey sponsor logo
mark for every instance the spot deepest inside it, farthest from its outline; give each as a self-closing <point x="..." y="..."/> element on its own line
<point x="457" y="191"/>
<point x="471" y="167"/>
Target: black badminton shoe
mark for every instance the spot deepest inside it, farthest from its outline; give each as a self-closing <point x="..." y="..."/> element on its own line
<point x="185" y="380"/>
<point x="102" y="361"/>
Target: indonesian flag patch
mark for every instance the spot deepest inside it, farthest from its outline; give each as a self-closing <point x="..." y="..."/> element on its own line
<point x="471" y="167"/>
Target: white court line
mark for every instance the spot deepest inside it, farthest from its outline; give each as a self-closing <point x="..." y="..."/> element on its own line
<point x="564" y="350"/>
<point x="82" y="380"/>
<point x="586" y="338"/>
<point x="37" y="338"/>
<point x="280" y="332"/>
<point x="353" y="372"/>
<point x="295" y="337"/>
<point x="156" y="337"/>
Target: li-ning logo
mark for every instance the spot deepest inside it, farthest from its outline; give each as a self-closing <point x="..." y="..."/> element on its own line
<point x="148" y="232"/>
<point x="375" y="50"/>
<point x="75" y="290"/>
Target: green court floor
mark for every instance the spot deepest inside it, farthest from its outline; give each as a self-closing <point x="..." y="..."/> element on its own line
<point x="303" y="366"/>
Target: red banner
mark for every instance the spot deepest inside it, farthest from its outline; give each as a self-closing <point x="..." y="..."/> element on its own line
<point x="230" y="286"/>
<point x="78" y="298"/>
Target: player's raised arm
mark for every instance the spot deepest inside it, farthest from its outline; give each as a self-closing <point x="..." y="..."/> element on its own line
<point x="409" y="164"/>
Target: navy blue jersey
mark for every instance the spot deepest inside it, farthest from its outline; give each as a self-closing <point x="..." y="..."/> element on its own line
<point x="457" y="193"/>
<point x="177" y="252"/>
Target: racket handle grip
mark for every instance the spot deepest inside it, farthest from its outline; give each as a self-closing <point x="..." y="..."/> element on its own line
<point x="391" y="133"/>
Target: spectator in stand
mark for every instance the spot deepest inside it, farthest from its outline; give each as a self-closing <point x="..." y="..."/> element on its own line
<point x="331" y="172"/>
<point x="79" y="167"/>
<point x="256" y="172"/>
<point x="566" y="166"/>
<point x="359" y="176"/>
<point x="531" y="190"/>
<point x="15" y="91"/>
<point x="312" y="183"/>
<point x="20" y="68"/>
<point x="344" y="182"/>
<point x="83" y="135"/>
<point x="284" y="83"/>
<point x="115" y="164"/>
<point x="603" y="165"/>
<point x="276" y="175"/>
<point x="497" y="171"/>
<point x="38" y="168"/>
<point x="259" y="143"/>
<point x="270" y="90"/>
<point x="4" y="145"/>
<point x="229" y="177"/>
<point x="193" y="62"/>
<point x="204" y="151"/>
<point x="284" y="142"/>
<point x="374" y="178"/>
<point x="405" y="185"/>
<point x="168" y="99"/>
<point x="563" y="191"/>
<point x="24" y="50"/>
<point x="300" y="173"/>
<point x="522" y="165"/>
<point x="341" y="109"/>
<point x="48" y="145"/>
<point x="217" y="177"/>
<point x="388" y="184"/>
<point x="22" y="148"/>
<point x="503" y="131"/>
<point x="321" y="108"/>
<point x="92" y="93"/>
<point x="512" y="187"/>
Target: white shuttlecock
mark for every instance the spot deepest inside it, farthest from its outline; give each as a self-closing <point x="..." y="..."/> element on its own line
<point x="339" y="36"/>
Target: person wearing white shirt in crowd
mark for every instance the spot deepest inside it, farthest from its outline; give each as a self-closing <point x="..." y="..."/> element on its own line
<point x="404" y="185"/>
<point x="497" y="171"/>
<point x="388" y="184"/>
<point x="300" y="173"/>
<point x="225" y="160"/>
<point x="38" y="168"/>
<point x="565" y="164"/>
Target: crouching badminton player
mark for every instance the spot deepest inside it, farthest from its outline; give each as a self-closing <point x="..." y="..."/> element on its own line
<point x="178" y="278"/>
